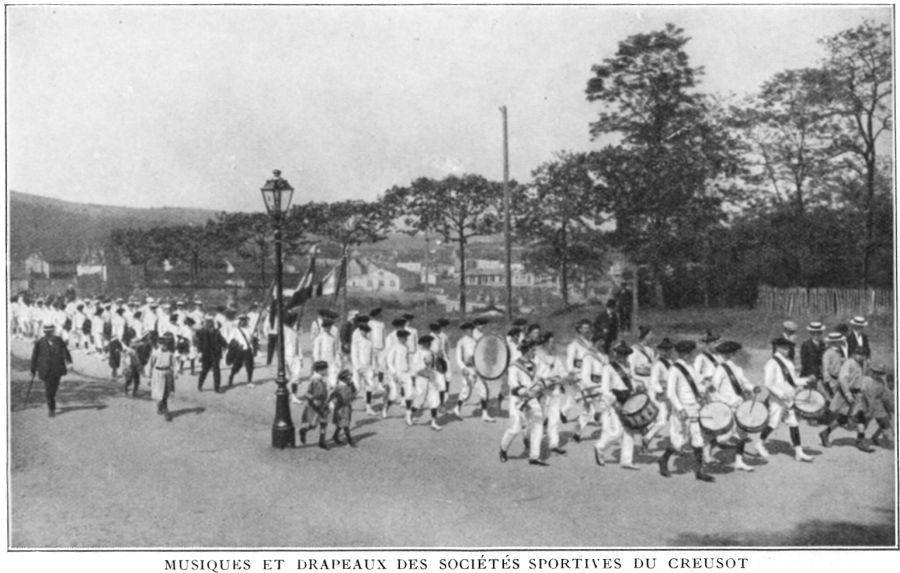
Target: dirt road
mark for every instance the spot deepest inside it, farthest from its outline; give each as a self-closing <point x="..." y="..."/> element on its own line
<point x="109" y="472"/>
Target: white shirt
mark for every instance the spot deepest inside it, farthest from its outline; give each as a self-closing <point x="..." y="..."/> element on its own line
<point x="659" y="374"/>
<point x="398" y="358"/>
<point x="420" y="360"/>
<point x="377" y="334"/>
<point x="324" y="348"/>
<point x="642" y="357"/>
<point x="724" y="391"/>
<point x="361" y="352"/>
<point x="292" y="347"/>
<point x="679" y="391"/>
<point x="413" y="341"/>
<point x="243" y="336"/>
<point x="704" y="367"/>
<point x="775" y="381"/>
<point x="592" y="368"/>
<point x="609" y="381"/>
<point x="465" y="352"/>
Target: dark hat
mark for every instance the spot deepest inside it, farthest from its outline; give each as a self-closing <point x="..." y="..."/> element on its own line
<point x="513" y="332"/>
<point x="364" y="328"/>
<point x="466" y="326"/>
<point x="407" y="316"/>
<point x="361" y="319"/>
<point x="527" y="345"/>
<point x="644" y="331"/>
<point x="842" y="328"/>
<point x="398" y="322"/>
<point x="520" y="322"/>
<point x="230" y="314"/>
<point x="434" y="326"/>
<point x="582" y="322"/>
<point x="375" y="312"/>
<point x="425" y="340"/>
<point x="328" y="313"/>
<point x="444" y="322"/>
<point x="545" y="337"/>
<point x="402" y="334"/>
<point x="327" y="323"/>
<point x="859" y="350"/>
<point x="728" y="347"/>
<point x="480" y="321"/>
<point x="782" y="342"/>
<point x="532" y="327"/>
<point x="320" y="365"/>
<point x="665" y="344"/>
<point x="345" y="376"/>
<point x="709" y="337"/>
<point x="685" y="346"/>
<point x="610" y="303"/>
<point x="189" y="321"/>
<point x="622" y="348"/>
<point x="49" y="328"/>
<point x="169" y="335"/>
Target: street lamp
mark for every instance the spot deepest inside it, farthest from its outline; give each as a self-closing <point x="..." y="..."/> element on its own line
<point x="277" y="194"/>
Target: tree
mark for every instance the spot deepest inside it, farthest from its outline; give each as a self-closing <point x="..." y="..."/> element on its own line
<point x="192" y="245"/>
<point x="559" y="215"/>
<point x="139" y="246"/>
<point x="666" y="180"/>
<point x="456" y="207"/>
<point x="249" y="235"/>
<point x="347" y="223"/>
<point x="860" y="67"/>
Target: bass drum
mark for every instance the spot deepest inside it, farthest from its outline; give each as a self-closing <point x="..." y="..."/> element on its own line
<point x="491" y="357"/>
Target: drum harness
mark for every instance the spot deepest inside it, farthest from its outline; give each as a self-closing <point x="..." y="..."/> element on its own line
<point x="622" y="395"/>
<point x="692" y="384"/>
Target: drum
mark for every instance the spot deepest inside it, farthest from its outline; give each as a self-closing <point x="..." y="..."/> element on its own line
<point x="491" y="357"/>
<point x="751" y="416"/>
<point x="440" y="365"/>
<point x="809" y="404"/>
<point x="716" y="418"/>
<point x="183" y="346"/>
<point x="638" y="411"/>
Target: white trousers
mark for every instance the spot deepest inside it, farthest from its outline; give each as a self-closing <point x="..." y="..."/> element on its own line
<point x="529" y="418"/>
<point x="680" y="430"/>
<point x="780" y="411"/>
<point x="473" y="384"/>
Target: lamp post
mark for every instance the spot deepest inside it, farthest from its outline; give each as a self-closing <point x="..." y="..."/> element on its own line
<point x="277" y="194"/>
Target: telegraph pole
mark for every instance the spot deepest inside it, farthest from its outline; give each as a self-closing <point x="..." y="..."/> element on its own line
<point x="506" y="222"/>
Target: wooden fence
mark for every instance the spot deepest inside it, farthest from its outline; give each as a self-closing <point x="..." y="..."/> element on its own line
<point x="825" y="301"/>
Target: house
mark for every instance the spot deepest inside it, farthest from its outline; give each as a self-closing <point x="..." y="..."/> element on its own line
<point x="365" y="276"/>
<point x="36" y="265"/>
<point x="493" y="273"/>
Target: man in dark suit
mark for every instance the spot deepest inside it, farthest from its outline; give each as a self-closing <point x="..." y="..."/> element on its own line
<point x="210" y="344"/>
<point x="48" y="361"/>
<point x="857" y="338"/>
<point x="811" y="352"/>
<point x="607" y="325"/>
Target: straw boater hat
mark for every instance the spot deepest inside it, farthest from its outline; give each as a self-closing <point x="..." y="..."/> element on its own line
<point x="859" y="321"/>
<point x="835" y="338"/>
<point x="789" y="325"/>
<point x="815" y="327"/>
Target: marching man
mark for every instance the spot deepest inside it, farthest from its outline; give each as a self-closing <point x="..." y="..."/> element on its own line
<point x="422" y="369"/>
<point x="685" y="398"/>
<point x="362" y="356"/>
<point x="524" y="409"/>
<point x="326" y="349"/>
<point x="782" y="382"/>
<point x="593" y="364"/>
<point x="731" y="387"/>
<point x="398" y="373"/>
<point x="465" y="358"/>
<point x="615" y="386"/>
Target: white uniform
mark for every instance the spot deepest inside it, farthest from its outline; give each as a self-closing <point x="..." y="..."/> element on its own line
<point x="440" y="349"/>
<point x="656" y="390"/>
<point x="611" y="425"/>
<point x="683" y="399"/>
<point x="724" y="390"/>
<point x="472" y="382"/>
<point x="590" y="375"/>
<point x="293" y="354"/>
<point x="705" y="366"/>
<point x="781" y="392"/>
<point x="549" y="366"/>
<point x="522" y="412"/>
<point x="424" y="390"/>
<point x="326" y="348"/>
<point x="362" y="357"/>
<point x="378" y="346"/>
<point x="398" y="375"/>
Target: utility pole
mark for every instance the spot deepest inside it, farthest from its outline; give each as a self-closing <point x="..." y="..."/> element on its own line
<point x="427" y="249"/>
<point x="506" y="222"/>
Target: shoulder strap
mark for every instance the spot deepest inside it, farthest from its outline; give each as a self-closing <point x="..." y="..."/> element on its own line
<point x="640" y="348"/>
<point x="626" y="379"/>
<point x="733" y="379"/>
<point x="666" y="363"/>
<point x="690" y="380"/>
<point x="785" y="372"/>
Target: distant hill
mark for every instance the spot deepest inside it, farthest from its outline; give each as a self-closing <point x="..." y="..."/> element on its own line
<point x="65" y="229"/>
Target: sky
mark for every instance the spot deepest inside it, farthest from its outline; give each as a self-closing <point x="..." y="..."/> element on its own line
<point x="194" y="106"/>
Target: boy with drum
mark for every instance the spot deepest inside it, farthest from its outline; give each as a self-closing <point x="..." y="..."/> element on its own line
<point x="656" y="389"/>
<point x="421" y="366"/>
<point x="705" y="362"/>
<point x="441" y="350"/>
<point x="615" y="387"/>
<point x="782" y="382"/>
<point x="550" y="371"/>
<point x="524" y="406"/>
<point x="591" y="374"/>
<point x="731" y="387"/>
<point x="685" y="397"/>
<point x="472" y="382"/>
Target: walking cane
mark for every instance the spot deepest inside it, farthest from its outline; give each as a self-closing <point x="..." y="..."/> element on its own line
<point x="28" y="394"/>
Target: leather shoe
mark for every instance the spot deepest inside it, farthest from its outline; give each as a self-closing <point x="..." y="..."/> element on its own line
<point x="503" y="456"/>
<point x="576" y="438"/>
<point x="558" y="450"/>
<point x="303" y="435"/>
<point x="703" y="476"/>
<point x="322" y="444"/>
<point x="538" y="462"/>
<point x="663" y="467"/>
<point x="862" y="446"/>
<point x="823" y="437"/>
<point x="600" y="461"/>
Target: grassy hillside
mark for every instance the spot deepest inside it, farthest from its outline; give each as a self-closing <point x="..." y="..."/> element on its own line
<point x="63" y="229"/>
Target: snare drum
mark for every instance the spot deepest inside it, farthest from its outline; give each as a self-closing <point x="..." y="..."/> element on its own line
<point x="809" y="404"/>
<point x="751" y="416"/>
<point x="639" y="411"/>
<point x="716" y="418"/>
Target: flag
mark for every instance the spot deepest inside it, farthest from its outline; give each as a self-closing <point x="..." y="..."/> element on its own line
<point x="270" y="307"/>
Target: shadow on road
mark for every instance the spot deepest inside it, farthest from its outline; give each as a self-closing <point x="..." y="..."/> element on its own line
<point x="77" y="391"/>
<point x="183" y="411"/>
<point x="814" y="532"/>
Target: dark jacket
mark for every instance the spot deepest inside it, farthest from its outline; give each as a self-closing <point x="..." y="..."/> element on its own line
<point x="210" y="343"/>
<point x="852" y="344"/>
<point x="49" y="358"/>
<point x="811" y="358"/>
<point x="608" y="326"/>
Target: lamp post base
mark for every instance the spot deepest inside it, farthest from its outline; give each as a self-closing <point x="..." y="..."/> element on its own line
<point x="283" y="437"/>
<point x="283" y="434"/>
